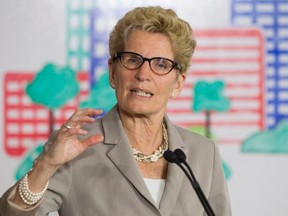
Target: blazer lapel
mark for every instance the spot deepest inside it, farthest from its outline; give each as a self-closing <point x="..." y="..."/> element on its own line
<point x="175" y="175"/>
<point x="121" y="154"/>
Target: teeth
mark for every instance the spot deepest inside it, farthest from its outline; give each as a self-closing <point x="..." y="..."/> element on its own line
<point x="143" y="94"/>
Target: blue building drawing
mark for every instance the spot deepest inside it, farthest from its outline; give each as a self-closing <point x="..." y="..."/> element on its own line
<point x="102" y="22"/>
<point x="272" y="17"/>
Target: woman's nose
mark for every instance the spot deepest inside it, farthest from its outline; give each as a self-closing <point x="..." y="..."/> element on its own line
<point x="144" y="72"/>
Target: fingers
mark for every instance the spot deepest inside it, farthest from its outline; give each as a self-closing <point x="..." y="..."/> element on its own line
<point x="73" y="126"/>
<point x="66" y="145"/>
<point x="70" y="125"/>
<point x="92" y="140"/>
<point x="81" y="117"/>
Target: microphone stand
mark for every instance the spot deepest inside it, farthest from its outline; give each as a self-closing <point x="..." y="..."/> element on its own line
<point x="178" y="157"/>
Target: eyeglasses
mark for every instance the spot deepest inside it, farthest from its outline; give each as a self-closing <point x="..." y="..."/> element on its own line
<point x="158" y="65"/>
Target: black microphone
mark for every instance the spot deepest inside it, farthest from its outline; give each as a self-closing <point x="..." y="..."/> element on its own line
<point x="182" y="158"/>
<point x="178" y="157"/>
<point x="172" y="158"/>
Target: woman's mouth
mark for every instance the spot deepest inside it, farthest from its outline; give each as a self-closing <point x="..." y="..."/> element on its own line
<point x="142" y="93"/>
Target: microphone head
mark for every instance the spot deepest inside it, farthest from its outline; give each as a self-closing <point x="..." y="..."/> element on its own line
<point x="170" y="156"/>
<point x="180" y="154"/>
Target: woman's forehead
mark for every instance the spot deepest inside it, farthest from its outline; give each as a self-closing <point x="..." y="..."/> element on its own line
<point x="149" y="44"/>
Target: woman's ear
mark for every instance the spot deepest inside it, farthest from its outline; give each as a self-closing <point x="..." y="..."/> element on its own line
<point x="178" y="85"/>
<point x="111" y="73"/>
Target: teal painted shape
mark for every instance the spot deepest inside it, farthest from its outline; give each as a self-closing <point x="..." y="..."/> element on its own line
<point x="227" y="170"/>
<point x="53" y="86"/>
<point x="77" y="52"/>
<point x="102" y="96"/>
<point x="208" y="97"/>
<point x="27" y="163"/>
<point x="273" y="141"/>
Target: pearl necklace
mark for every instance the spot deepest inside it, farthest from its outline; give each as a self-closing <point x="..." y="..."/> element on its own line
<point x="157" y="154"/>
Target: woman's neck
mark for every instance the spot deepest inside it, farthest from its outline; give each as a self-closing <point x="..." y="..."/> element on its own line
<point x="144" y="134"/>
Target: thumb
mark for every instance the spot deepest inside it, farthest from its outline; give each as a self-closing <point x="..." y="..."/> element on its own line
<point x="92" y="140"/>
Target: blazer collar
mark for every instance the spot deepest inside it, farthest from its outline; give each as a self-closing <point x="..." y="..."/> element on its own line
<point x="122" y="157"/>
<point x="121" y="154"/>
<point x="175" y="175"/>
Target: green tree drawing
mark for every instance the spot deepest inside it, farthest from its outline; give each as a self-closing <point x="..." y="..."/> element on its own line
<point x="53" y="87"/>
<point x="208" y="97"/>
<point x="102" y="96"/>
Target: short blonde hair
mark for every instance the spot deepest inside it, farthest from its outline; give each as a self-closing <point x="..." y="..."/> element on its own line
<point x="155" y="19"/>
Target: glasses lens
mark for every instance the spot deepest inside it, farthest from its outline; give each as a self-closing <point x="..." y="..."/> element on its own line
<point x="161" y="65"/>
<point x="134" y="61"/>
<point x="131" y="61"/>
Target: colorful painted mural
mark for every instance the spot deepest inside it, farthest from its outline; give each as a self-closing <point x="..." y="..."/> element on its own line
<point x="236" y="90"/>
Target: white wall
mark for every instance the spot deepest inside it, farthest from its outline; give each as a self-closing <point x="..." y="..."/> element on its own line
<point x="34" y="33"/>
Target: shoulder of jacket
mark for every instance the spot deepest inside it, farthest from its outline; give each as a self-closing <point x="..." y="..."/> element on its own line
<point x="193" y="137"/>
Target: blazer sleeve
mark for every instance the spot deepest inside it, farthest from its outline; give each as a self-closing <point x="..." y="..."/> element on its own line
<point x="8" y="207"/>
<point x="56" y="193"/>
<point x="219" y="196"/>
<point x="58" y="189"/>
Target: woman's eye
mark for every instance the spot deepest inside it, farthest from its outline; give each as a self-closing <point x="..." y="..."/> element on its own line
<point x="133" y="60"/>
<point x="161" y="64"/>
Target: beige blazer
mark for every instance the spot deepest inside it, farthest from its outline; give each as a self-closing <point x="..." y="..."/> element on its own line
<point x="105" y="179"/>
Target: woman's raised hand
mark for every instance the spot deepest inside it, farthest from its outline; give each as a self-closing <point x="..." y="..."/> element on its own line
<point x="66" y="145"/>
<point x="62" y="149"/>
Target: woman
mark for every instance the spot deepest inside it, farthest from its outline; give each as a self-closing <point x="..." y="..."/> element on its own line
<point x="115" y="165"/>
